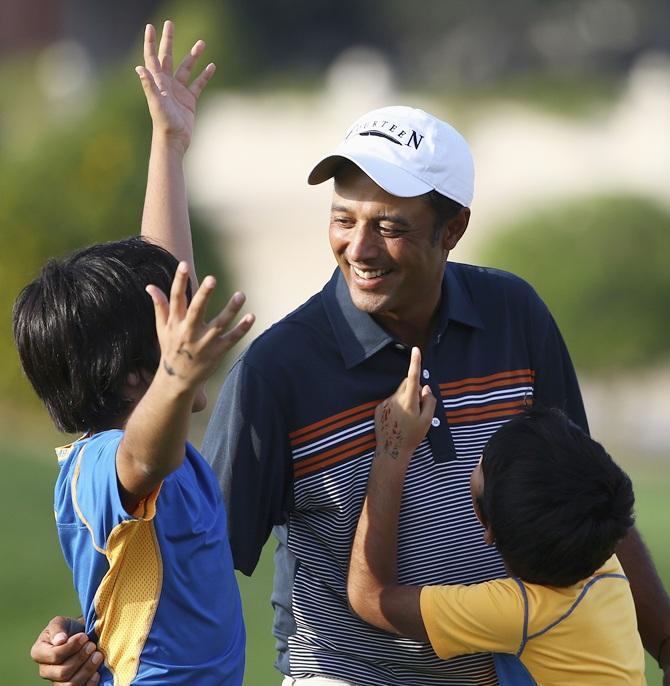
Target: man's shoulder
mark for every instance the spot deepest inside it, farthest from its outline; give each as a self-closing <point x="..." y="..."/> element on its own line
<point x="490" y="277"/>
<point x="294" y="335"/>
<point x="496" y="289"/>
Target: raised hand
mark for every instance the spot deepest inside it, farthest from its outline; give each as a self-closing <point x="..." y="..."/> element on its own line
<point x="172" y="101"/>
<point x="192" y="349"/>
<point x="402" y="420"/>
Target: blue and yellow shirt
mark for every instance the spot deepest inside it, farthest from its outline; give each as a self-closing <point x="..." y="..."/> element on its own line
<point x="156" y="586"/>
<point x="582" y="634"/>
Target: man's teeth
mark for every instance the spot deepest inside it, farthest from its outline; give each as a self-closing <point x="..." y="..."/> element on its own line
<point x="369" y="273"/>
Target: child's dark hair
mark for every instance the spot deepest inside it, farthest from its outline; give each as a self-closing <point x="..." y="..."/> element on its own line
<point x="85" y="323"/>
<point x="556" y="502"/>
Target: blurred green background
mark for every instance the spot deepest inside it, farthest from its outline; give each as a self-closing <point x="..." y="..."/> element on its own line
<point x="595" y="74"/>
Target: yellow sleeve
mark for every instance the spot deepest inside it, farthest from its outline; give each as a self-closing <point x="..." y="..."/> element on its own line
<point x="481" y="618"/>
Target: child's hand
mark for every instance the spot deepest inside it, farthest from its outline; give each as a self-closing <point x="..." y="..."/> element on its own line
<point x="192" y="349"/>
<point x="402" y="420"/>
<point x="171" y="100"/>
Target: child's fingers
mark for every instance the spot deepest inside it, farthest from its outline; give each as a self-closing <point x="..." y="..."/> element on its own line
<point x="414" y="372"/>
<point x="149" y="85"/>
<point x="228" y="313"/>
<point x="183" y="73"/>
<point x="178" y="291"/>
<point x="161" y="305"/>
<point x="165" y="47"/>
<point x="150" y="58"/>
<point x="196" y="310"/>
<point x="428" y="403"/>
<point x="202" y="80"/>
<point x="229" y="339"/>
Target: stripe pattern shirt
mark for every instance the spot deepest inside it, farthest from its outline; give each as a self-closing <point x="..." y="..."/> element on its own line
<point x="292" y="439"/>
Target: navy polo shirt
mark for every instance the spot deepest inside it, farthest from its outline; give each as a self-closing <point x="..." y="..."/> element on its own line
<point x="292" y="439"/>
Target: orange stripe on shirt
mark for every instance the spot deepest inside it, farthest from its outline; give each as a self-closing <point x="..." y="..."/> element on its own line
<point x="324" y="426"/>
<point x="488" y="412"/>
<point x="320" y="457"/>
<point x="459" y="385"/>
<point x="340" y="457"/>
<point x="487" y="386"/>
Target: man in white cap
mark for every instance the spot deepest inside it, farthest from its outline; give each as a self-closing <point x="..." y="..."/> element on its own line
<point x="292" y="435"/>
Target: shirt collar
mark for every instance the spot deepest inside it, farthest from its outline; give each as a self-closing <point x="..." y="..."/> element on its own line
<point x="358" y="334"/>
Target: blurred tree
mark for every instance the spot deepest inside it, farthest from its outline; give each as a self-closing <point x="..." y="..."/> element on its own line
<point x="602" y="265"/>
<point x="83" y="183"/>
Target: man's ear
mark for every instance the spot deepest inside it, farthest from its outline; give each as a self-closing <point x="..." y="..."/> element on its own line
<point x="455" y="229"/>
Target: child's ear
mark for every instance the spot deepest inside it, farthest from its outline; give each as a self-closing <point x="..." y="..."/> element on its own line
<point x="133" y="380"/>
<point x="489" y="538"/>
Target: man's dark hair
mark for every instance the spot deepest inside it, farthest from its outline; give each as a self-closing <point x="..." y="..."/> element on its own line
<point x="85" y="323"/>
<point x="444" y="209"/>
<point x="556" y="502"/>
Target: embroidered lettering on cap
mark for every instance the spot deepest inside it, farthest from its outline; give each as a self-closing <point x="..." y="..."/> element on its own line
<point x="386" y="129"/>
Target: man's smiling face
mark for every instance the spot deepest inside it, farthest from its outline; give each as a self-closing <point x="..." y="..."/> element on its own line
<point x="387" y="249"/>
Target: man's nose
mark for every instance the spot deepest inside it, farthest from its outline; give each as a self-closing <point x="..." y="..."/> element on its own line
<point x="363" y="243"/>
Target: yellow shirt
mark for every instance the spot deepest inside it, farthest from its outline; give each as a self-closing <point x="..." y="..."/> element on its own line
<point x="585" y="634"/>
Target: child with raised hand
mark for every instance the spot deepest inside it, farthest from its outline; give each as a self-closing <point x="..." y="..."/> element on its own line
<point x="555" y="505"/>
<point x="140" y="514"/>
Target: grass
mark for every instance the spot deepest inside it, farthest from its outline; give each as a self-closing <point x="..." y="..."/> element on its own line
<point x="36" y="584"/>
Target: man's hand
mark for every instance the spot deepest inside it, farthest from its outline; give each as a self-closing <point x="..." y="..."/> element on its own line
<point x="171" y="100"/>
<point x="402" y="420"/>
<point x="65" y="654"/>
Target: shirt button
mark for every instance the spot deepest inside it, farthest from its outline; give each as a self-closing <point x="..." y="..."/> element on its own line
<point x="399" y="346"/>
<point x="435" y="421"/>
<point x="426" y="374"/>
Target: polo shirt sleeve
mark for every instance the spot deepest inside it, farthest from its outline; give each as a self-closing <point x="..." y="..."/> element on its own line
<point x="482" y="618"/>
<point x="247" y="445"/>
<point x="95" y="487"/>
<point x="555" y="379"/>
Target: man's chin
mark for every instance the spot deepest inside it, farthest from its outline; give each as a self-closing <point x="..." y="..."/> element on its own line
<point x="372" y="303"/>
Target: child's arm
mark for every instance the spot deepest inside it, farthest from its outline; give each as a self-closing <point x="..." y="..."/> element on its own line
<point x="401" y="421"/>
<point x="155" y="434"/>
<point x="172" y="104"/>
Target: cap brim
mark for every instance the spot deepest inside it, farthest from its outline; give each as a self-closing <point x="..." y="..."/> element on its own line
<point x="391" y="178"/>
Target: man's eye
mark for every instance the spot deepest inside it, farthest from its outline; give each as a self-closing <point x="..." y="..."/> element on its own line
<point x="389" y="230"/>
<point x="342" y="221"/>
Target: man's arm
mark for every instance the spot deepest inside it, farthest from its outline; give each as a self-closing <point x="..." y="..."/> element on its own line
<point x="557" y="387"/>
<point x="248" y="447"/>
<point x="172" y="102"/>
<point x="652" y="604"/>
<point x="401" y="422"/>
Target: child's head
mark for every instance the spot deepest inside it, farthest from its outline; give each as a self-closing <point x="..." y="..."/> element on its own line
<point x="85" y="326"/>
<point x="551" y="498"/>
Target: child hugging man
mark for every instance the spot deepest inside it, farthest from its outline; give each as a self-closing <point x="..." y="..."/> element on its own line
<point x="555" y="505"/>
<point x="139" y="512"/>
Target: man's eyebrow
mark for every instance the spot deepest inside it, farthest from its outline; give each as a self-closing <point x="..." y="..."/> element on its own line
<point x="339" y="208"/>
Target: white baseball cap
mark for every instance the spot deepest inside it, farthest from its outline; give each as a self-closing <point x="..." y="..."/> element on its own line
<point x="407" y="152"/>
